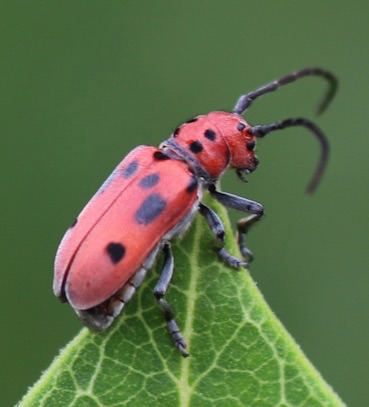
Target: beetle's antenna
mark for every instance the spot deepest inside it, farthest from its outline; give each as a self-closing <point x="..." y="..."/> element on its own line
<point x="262" y="130"/>
<point x="245" y="101"/>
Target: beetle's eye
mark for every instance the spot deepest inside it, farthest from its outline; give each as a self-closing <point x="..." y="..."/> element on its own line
<point x="250" y="145"/>
<point x="240" y="126"/>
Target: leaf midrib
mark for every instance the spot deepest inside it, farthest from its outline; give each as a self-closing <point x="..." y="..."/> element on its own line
<point x="185" y="389"/>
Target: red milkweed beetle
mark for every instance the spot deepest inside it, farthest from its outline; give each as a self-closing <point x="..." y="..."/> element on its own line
<point x="153" y="195"/>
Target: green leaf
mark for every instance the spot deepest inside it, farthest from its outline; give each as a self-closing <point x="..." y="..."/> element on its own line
<point x="241" y="355"/>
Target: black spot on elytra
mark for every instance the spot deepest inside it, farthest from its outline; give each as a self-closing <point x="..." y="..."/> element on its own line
<point x="149" y="181"/>
<point x="74" y="223"/>
<point x="150" y="209"/>
<point x="159" y="155"/>
<point x="130" y="169"/>
<point x="176" y="131"/>
<point x="116" y="252"/>
<point x="193" y="120"/>
<point x="250" y="145"/>
<point x="192" y="186"/>
<point x="240" y="126"/>
<point x="210" y="134"/>
<point x="196" y="147"/>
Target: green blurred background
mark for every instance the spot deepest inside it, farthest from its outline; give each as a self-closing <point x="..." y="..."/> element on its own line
<point x="84" y="82"/>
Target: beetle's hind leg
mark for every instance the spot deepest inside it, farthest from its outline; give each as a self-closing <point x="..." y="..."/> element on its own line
<point x="160" y="290"/>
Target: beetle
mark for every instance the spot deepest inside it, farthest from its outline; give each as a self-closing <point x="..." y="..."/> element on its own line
<point x="152" y="197"/>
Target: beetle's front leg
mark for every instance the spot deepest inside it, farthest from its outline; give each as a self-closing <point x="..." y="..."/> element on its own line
<point x="217" y="228"/>
<point x="160" y="290"/>
<point x="243" y="225"/>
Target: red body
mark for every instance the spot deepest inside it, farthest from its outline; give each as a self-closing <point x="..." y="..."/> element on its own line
<point x="89" y="273"/>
